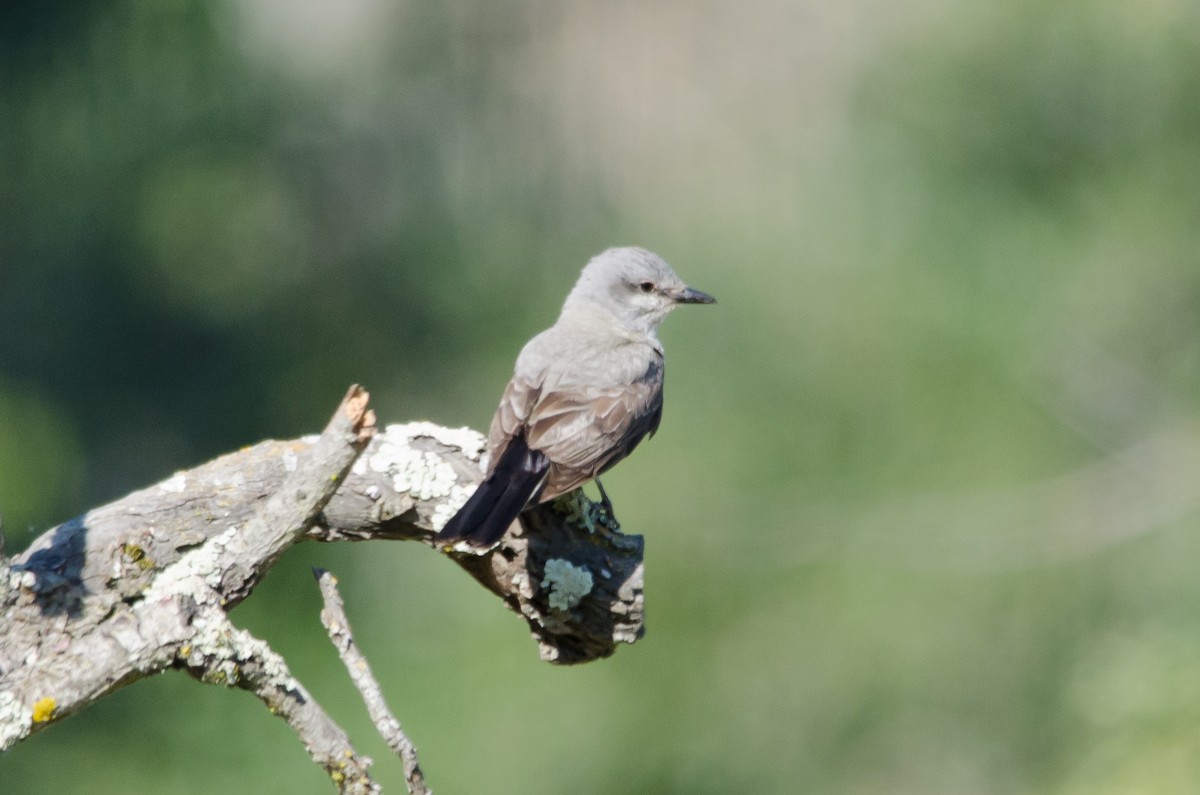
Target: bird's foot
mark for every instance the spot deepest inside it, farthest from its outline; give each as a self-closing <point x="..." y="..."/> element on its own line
<point x="604" y="513"/>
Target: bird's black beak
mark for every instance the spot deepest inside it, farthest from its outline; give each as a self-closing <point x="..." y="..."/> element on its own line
<point x="690" y="295"/>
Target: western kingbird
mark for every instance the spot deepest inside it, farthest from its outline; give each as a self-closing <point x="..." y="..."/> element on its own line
<point x="584" y="392"/>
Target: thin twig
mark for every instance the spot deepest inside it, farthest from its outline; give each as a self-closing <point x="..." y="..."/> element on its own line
<point x="333" y="616"/>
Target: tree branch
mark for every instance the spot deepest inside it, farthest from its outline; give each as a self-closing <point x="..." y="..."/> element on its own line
<point x="333" y="617"/>
<point x="221" y="654"/>
<point x="143" y="584"/>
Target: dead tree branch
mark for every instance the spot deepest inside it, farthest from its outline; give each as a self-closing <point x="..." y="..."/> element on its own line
<point x="144" y="583"/>
<point x="333" y="616"/>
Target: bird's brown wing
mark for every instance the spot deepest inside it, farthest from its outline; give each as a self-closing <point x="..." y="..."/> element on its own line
<point x="515" y="473"/>
<point x="518" y="400"/>
<point x="586" y="430"/>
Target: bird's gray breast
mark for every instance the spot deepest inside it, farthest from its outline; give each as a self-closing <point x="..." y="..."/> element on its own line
<point x="596" y="396"/>
<point x="567" y="357"/>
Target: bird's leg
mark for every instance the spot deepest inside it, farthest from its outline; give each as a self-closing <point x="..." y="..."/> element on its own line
<point x="605" y="502"/>
<point x="607" y="516"/>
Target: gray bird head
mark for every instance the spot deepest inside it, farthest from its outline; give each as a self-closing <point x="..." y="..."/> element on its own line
<point x="633" y="285"/>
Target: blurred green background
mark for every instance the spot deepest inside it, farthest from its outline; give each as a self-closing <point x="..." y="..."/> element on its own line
<point x="921" y="516"/>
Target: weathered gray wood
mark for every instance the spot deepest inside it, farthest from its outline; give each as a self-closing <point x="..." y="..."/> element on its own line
<point x="333" y="617"/>
<point x="143" y="584"/>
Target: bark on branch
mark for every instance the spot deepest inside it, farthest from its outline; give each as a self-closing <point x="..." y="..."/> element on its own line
<point x="333" y="616"/>
<point x="144" y="583"/>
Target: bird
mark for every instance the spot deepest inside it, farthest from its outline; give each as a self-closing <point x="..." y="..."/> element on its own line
<point x="583" y="394"/>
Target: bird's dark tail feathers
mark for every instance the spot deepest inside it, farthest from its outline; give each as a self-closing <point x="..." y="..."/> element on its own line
<point x="517" y="477"/>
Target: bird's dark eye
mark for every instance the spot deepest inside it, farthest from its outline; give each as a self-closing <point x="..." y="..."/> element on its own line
<point x="646" y="287"/>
